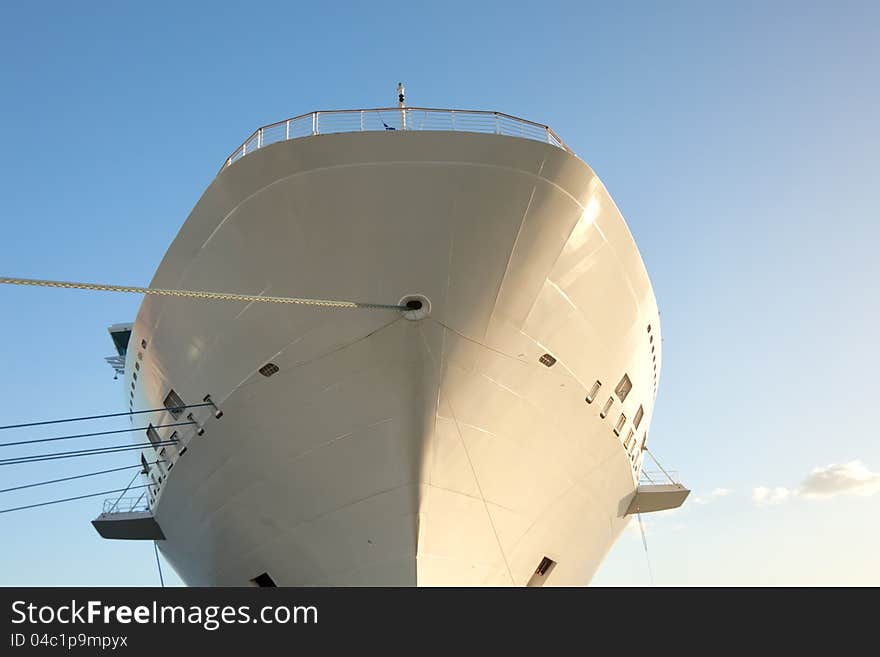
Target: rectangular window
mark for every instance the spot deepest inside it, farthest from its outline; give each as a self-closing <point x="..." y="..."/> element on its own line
<point x="623" y="388"/>
<point x="174" y="404"/>
<point x="620" y="422"/>
<point x="593" y="392"/>
<point x="628" y="442"/>
<point x="263" y="580"/>
<point x="606" y="408"/>
<point x="542" y="572"/>
<point x="637" y="420"/>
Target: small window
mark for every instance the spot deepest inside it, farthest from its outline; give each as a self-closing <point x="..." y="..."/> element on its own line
<point x="263" y="580"/>
<point x="620" y="422"/>
<point x="542" y="572"/>
<point x="173" y="438"/>
<point x="628" y="442"/>
<point x="144" y="344"/>
<point x="623" y="388"/>
<point x="547" y="360"/>
<point x="593" y="392"/>
<point x="174" y="404"/>
<point x="153" y="435"/>
<point x="637" y="420"/>
<point x="137" y="365"/>
<point x="145" y="468"/>
<point x="269" y="369"/>
<point x="134" y="375"/>
<point x="606" y="408"/>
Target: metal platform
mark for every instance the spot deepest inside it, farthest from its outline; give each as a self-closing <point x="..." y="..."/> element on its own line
<point x="657" y="497"/>
<point x="131" y="525"/>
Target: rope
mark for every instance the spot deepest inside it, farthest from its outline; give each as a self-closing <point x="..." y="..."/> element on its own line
<point x="112" y="449"/>
<point x="101" y="417"/>
<point x="82" y="476"/>
<point x="216" y="296"/>
<point x="71" y="499"/>
<point x="159" y="564"/>
<point x="95" y="433"/>
<point x="657" y="463"/>
<point x="645" y="543"/>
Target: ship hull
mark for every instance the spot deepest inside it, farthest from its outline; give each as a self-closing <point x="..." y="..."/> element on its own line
<point x="390" y="449"/>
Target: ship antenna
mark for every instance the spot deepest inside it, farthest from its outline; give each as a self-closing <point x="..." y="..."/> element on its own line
<point x="401" y="103"/>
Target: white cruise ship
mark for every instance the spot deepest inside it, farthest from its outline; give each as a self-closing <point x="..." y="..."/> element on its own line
<point x="489" y="432"/>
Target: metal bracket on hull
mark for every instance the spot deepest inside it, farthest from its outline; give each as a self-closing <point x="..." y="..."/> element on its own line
<point x="657" y="497"/>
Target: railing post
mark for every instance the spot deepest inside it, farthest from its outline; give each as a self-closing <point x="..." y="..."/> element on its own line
<point x="314" y="123"/>
<point x="260" y="138"/>
<point x="497" y="124"/>
<point x="287" y="130"/>
<point x="362" y="120"/>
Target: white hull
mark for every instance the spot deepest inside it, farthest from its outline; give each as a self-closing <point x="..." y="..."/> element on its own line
<point x="387" y="451"/>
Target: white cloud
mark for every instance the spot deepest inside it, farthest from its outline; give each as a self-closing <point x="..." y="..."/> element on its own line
<point x="851" y="478"/>
<point x="765" y="496"/>
<point x="714" y="495"/>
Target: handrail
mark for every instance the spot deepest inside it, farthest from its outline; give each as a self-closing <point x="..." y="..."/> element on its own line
<point x="125" y="504"/>
<point x="395" y="118"/>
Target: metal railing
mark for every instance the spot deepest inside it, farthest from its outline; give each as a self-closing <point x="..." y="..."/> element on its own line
<point x="126" y="504"/>
<point x="659" y="477"/>
<point x="395" y="118"/>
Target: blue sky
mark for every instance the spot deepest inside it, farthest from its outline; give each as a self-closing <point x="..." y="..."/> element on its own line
<point x="740" y="141"/>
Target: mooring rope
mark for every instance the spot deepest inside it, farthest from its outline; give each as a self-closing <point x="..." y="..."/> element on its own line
<point x="193" y="294"/>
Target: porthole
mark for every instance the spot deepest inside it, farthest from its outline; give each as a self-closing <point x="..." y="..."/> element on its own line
<point x="651" y="339"/>
<point x="134" y="375"/>
<point x="132" y="385"/>
<point x="143" y="344"/>
<point x="620" y="422"/>
<point x="269" y="369"/>
<point x="649" y="328"/>
<point x="547" y="360"/>
<point x="606" y="408"/>
<point x="137" y="365"/>
<point x="593" y="392"/>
